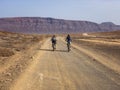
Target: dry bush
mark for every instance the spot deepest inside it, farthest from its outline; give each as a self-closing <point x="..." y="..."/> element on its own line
<point x="6" y="52"/>
<point x="18" y="42"/>
<point x="36" y="39"/>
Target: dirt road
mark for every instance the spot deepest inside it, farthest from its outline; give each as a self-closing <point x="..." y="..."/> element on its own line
<point x="62" y="70"/>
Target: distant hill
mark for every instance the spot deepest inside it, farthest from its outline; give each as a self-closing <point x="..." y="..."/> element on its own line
<point x="51" y="25"/>
<point x="106" y="26"/>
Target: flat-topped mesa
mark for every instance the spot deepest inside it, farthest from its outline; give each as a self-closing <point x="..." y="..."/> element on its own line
<point x="50" y="25"/>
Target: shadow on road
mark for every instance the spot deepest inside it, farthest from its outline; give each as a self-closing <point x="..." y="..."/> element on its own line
<point x="61" y="50"/>
<point x="52" y="50"/>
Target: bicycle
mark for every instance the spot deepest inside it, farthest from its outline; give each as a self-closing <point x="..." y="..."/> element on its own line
<point x="53" y="46"/>
<point x="68" y="46"/>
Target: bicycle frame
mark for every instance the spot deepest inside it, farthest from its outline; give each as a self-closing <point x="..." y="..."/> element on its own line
<point x="53" y="46"/>
<point x="68" y="46"/>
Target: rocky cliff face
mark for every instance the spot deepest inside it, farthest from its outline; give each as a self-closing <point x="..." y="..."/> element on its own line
<point x="50" y="25"/>
<point x="106" y="26"/>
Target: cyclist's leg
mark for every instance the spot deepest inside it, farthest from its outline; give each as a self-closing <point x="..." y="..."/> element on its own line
<point x="68" y="46"/>
<point x="53" y="46"/>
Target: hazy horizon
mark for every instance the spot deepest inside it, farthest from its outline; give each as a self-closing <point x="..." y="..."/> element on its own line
<point x="89" y="10"/>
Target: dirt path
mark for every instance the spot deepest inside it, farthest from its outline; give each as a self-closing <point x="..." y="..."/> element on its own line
<point x="62" y="70"/>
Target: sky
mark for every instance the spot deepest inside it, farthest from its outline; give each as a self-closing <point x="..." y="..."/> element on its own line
<point x="89" y="10"/>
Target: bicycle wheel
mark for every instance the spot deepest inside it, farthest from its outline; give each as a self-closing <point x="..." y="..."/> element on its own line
<point x="68" y="46"/>
<point x="53" y="46"/>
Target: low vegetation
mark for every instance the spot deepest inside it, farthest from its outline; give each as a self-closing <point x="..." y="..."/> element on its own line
<point x="16" y="52"/>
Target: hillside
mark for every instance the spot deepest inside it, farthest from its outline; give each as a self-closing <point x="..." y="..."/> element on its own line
<point x="50" y="25"/>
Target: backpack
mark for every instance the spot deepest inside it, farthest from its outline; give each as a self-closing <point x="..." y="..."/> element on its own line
<point x="68" y="39"/>
<point x="54" y="40"/>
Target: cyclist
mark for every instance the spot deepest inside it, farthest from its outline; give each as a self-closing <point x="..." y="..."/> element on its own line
<point x="68" y="40"/>
<point x="53" y="39"/>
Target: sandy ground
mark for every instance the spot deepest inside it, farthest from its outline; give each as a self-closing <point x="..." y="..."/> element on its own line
<point x="62" y="70"/>
<point x="16" y="53"/>
<point x="104" y="47"/>
<point x="26" y="63"/>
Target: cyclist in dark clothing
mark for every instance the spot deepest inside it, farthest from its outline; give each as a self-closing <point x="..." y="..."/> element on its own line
<point x="53" y="39"/>
<point x="68" y="40"/>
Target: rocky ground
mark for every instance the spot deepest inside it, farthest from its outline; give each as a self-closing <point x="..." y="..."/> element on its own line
<point x="27" y="62"/>
<point x="16" y="51"/>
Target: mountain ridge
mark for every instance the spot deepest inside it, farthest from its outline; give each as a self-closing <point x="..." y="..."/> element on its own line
<point x="51" y="25"/>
